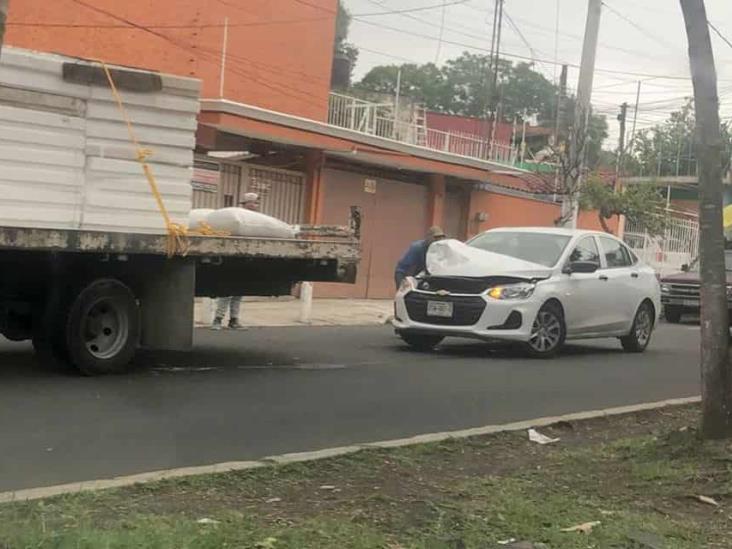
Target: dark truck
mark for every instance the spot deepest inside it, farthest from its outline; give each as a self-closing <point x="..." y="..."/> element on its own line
<point x="680" y="293"/>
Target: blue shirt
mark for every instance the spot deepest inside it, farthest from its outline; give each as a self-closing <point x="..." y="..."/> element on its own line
<point x="414" y="260"/>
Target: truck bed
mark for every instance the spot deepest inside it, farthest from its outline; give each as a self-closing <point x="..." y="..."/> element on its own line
<point x="104" y="242"/>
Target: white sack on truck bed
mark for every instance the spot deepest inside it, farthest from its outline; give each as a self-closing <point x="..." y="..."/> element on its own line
<point x="242" y="222"/>
<point x="198" y="216"/>
<point x="66" y="160"/>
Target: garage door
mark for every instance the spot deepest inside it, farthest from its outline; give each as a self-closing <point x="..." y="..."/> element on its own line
<point x="394" y="214"/>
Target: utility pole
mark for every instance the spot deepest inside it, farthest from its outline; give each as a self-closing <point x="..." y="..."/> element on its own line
<point x="3" y="19"/>
<point x="397" y="100"/>
<point x="621" y="142"/>
<point x="715" y="367"/>
<point x="582" y="111"/>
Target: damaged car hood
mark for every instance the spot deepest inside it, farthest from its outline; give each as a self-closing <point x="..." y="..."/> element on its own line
<point x="454" y="258"/>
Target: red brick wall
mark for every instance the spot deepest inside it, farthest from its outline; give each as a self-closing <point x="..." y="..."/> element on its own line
<point x="282" y="66"/>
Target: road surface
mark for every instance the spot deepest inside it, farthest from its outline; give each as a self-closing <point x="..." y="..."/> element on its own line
<point x="262" y="392"/>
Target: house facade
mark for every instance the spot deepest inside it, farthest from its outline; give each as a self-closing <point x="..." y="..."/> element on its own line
<point x="270" y="124"/>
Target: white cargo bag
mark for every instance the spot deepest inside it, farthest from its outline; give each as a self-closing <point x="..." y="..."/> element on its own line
<point x="242" y="222"/>
<point x="196" y="217"/>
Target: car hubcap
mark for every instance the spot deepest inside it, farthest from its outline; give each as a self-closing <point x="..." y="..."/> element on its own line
<point x="105" y="329"/>
<point x="643" y="326"/>
<point x="546" y="332"/>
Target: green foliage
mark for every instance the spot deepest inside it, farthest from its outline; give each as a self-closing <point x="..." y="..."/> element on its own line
<point x="638" y="203"/>
<point x="667" y="149"/>
<point x="462" y="86"/>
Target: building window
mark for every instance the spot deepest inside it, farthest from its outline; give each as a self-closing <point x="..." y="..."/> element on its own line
<point x="228" y="200"/>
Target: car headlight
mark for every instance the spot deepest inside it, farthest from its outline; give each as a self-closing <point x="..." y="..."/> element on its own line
<point x="512" y="291"/>
<point x="666" y="288"/>
<point x="407" y="285"/>
<point x="729" y="291"/>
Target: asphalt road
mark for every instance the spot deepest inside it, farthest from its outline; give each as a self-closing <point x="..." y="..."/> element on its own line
<point x="252" y="394"/>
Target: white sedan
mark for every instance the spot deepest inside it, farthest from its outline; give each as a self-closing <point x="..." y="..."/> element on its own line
<point x="536" y="286"/>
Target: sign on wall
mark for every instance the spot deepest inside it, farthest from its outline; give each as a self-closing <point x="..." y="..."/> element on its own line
<point x="206" y="176"/>
<point x="369" y="186"/>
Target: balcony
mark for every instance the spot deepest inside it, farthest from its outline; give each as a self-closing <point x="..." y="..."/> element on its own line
<point x="410" y="126"/>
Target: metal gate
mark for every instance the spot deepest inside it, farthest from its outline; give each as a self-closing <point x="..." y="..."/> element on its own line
<point x="281" y="192"/>
<point x="224" y="193"/>
<point x="678" y="245"/>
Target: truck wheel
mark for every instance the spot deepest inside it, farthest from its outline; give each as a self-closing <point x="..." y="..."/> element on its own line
<point x="103" y="328"/>
<point x="421" y="342"/>
<point x="49" y="321"/>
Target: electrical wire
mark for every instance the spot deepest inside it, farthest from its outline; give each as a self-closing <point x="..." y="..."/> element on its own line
<point x="717" y="31"/>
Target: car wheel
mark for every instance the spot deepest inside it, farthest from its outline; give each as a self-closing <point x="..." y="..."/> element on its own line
<point x="672" y="314"/>
<point x="421" y="342"/>
<point x="640" y="334"/>
<point x="548" y="332"/>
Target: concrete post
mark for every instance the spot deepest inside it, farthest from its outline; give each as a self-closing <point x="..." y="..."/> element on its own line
<point x="436" y="213"/>
<point x="167" y="305"/>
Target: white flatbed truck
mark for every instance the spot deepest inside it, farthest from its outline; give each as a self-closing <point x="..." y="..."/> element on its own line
<point x="90" y="299"/>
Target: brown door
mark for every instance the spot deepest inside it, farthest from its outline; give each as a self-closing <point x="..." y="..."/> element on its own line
<point x="455" y="213"/>
<point x="393" y="217"/>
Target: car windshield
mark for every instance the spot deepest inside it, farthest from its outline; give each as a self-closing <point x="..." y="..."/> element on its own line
<point x="544" y="249"/>
<point x="694" y="267"/>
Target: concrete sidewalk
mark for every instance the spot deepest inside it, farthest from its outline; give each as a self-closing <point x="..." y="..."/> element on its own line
<point x="286" y="312"/>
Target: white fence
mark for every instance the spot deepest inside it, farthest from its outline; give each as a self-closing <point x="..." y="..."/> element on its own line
<point x="666" y="253"/>
<point x="379" y="119"/>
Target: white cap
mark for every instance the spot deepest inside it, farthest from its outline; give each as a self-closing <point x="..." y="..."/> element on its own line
<point x="249" y="197"/>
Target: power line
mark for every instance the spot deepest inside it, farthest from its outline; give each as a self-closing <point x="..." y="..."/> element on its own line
<point x="442" y="32"/>
<point x="638" y="27"/>
<point x="716" y="30"/>
<point x="298" y="94"/>
<point x="517" y="56"/>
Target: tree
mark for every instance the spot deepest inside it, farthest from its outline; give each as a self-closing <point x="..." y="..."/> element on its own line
<point x="715" y="367"/>
<point x="342" y="49"/>
<point x="636" y="202"/>
<point x="462" y="87"/>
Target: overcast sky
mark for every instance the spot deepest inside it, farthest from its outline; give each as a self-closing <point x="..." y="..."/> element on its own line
<point x="639" y="40"/>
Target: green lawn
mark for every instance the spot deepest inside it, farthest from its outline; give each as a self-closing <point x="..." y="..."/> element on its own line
<point x="638" y="475"/>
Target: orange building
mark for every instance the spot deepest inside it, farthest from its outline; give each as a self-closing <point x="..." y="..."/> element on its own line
<point x="269" y="123"/>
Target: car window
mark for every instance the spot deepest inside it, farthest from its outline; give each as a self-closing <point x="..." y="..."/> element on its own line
<point x="616" y="255"/>
<point x="587" y="251"/>
<point x="543" y="249"/>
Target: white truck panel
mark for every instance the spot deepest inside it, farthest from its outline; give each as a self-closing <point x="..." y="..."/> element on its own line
<point x="75" y="167"/>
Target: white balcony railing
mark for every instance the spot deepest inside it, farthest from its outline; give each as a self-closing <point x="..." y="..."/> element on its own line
<point x="379" y="119"/>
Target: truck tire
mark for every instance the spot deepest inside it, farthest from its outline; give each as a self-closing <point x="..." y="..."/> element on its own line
<point x="49" y="321"/>
<point x="102" y="328"/>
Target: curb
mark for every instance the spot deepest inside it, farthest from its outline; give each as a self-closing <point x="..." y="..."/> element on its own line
<point x="283" y="459"/>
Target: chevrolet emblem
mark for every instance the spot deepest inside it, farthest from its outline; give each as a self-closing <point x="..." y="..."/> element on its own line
<point x="442" y="293"/>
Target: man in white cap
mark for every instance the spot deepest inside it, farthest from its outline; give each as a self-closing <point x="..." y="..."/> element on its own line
<point x="250" y="201"/>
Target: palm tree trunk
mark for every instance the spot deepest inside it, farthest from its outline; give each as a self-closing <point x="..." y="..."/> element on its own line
<point x="715" y="368"/>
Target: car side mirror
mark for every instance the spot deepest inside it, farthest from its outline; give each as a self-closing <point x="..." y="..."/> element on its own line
<point x="586" y="267"/>
<point x="685" y="267"/>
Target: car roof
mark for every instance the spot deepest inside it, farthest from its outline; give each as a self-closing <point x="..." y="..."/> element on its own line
<point x="550" y="230"/>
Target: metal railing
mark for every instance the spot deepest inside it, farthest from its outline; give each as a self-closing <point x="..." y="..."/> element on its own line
<point x="666" y="253"/>
<point x="378" y="119"/>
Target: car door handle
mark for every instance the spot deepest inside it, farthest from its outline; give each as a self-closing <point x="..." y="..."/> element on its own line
<point x="634" y="275"/>
<point x="604" y="277"/>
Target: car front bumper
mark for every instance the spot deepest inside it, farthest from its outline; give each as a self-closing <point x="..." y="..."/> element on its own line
<point x="509" y="320"/>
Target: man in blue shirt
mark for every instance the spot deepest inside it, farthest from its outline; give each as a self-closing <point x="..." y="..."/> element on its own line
<point x="414" y="260"/>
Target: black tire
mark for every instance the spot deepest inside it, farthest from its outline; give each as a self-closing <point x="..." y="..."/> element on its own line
<point x="49" y="322"/>
<point x="421" y="342"/>
<point x="548" y="332"/>
<point x="672" y="314"/>
<point x="642" y="330"/>
<point x="102" y="328"/>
